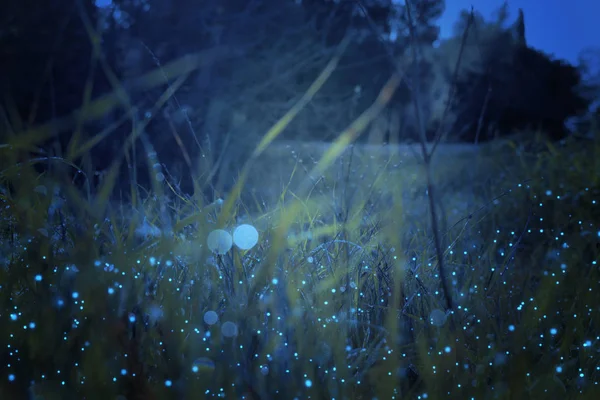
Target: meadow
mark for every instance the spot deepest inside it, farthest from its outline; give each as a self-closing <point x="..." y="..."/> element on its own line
<point x="318" y="276"/>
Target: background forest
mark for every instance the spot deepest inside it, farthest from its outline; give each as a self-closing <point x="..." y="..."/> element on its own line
<point x="290" y="199"/>
<point x="259" y="57"/>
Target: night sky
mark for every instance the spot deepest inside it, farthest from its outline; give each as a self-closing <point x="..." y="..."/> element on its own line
<point x="560" y="27"/>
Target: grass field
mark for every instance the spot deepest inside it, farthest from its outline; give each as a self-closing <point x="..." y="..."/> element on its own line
<point x="317" y="276"/>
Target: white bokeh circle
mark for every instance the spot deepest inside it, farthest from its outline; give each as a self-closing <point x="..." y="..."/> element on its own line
<point x="245" y="236"/>
<point x="219" y="241"/>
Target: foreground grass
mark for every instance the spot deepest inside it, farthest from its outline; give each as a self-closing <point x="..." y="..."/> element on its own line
<point x="339" y="296"/>
<point x="126" y="304"/>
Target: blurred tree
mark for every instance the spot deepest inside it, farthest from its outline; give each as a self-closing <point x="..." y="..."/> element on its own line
<point x="425" y="14"/>
<point x="198" y="119"/>
<point x="589" y="68"/>
<point x="520" y="28"/>
<point x="515" y="87"/>
<point x="589" y="88"/>
<point x="422" y="74"/>
<point x="275" y="50"/>
<point x="334" y="19"/>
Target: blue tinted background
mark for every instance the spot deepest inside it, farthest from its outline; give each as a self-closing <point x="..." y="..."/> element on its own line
<point x="561" y="27"/>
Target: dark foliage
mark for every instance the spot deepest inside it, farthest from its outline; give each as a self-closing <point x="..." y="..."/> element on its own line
<point x="45" y="56"/>
<point x="47" y="70"/>
<point x="333" y="20"/>
<point x="520" y="89"/>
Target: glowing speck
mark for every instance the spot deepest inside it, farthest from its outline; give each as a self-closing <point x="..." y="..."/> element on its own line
<point x="203" y="364"/>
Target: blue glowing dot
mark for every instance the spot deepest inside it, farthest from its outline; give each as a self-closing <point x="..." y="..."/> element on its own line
<point x="511" y="328"/>
<point x="60" y="303"/>
<point x="308" y="383"/>
<point x="75" y="295"/>
<point x="131" y="318"/>
<point x="123" y="371"/>
<point x="38" y="278"/>
<point x="447" y="349"/>
<point x="111" y="290"/>
<point x="11" y="377"/>
<point x="195" y="368"/>
<point x="168" y="383"/>
<point x="275" y="281"/>
<point x="31" y="325"/>
<point x="13" y="317"/>
<point x="553" y="331"/>
<point x="559" y="369"/>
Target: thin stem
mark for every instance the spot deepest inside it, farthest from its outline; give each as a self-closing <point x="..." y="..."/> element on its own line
<point x="428" y="172"/>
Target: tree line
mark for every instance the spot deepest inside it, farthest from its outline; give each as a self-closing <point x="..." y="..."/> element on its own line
<point x="485" y="82"/>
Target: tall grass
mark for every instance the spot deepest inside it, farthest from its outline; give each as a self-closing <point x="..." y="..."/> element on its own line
<point x="103" y="298"/>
